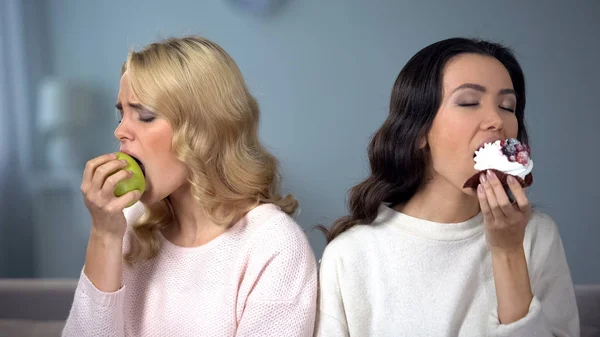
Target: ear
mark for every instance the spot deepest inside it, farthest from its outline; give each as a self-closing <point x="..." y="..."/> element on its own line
<point x="423" y="143"/>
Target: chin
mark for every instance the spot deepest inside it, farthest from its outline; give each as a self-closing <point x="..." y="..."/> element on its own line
<point x="145" y="199"/>
<point x="150" y="195"/>
<point x="148" y="198"/>
<point x="466" y="190"/>
<point x="470" y="192"/>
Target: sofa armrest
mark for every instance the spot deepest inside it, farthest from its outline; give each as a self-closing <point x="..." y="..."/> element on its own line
<point x="28" y="328"/>
<point x="36" y="299"/>
<point x="588" y="305"/>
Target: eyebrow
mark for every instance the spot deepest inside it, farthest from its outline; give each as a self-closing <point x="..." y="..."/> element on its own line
<point x="481" y="88"/>
<point x="138" y="106"/>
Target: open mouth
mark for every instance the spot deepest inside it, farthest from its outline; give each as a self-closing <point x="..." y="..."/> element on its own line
<point x="141" y="165"/>
<point x="480" y="147"/>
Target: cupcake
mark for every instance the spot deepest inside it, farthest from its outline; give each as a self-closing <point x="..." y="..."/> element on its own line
<point x="504" y="158"/>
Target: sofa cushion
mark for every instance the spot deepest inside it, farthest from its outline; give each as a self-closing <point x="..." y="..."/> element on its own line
<point x="588" y="305"/>
<point x="30" y="328"/>
<point x="36" y="299"/>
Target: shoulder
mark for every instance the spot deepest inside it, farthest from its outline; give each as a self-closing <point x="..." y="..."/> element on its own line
<point x="277" y="255"/>
<point x="363" y="238"/>
<point x="355" y="237"/>
<point x="359" y="243"/>
<point x="542" y="220"/>
<point x="541" y="228"/>
<point x="277" y="261"/>
<point x="544" y="247"/>
<point x="270" y="231"/>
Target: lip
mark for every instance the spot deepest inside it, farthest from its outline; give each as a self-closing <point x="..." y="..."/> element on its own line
<point x="488" y="140"/>
<point x="134" y="156"/>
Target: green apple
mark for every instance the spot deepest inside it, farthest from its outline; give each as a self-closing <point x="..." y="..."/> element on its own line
<point x="136" y="182"/>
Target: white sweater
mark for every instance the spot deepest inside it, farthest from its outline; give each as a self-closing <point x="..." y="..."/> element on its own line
<point x="259" y="278"/>
<point x="403" y="276"/>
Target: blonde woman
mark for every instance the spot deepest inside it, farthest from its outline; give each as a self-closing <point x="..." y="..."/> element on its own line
<point x="210" y="248"/>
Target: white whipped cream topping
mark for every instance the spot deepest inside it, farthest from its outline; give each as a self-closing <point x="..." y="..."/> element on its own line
<point x="490" y="156"/>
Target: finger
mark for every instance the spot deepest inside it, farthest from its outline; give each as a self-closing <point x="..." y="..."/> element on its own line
<point x="491" y="197"/>
<point x="519" y="194"/>
<point x="488" y="217"/>
<point x="112" y="181"/>
<point x="504" y="203"/>
<point x="105" y="170"/>
<point x="90" y="169"/>
<point x="125" y="200"/>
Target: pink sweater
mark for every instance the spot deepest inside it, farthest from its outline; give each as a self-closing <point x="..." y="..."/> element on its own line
<point x="257" y="279"/>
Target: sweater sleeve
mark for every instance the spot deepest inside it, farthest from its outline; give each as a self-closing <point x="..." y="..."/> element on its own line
<point x="331" y="318"/>
<point x="553" y="310"/>
<point x="278" y="293"/>
<point x="95" y="313"/>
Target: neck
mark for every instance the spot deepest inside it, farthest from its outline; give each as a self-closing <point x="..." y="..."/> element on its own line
<point x="191" y="227"/>
<point x="440" y="201"/>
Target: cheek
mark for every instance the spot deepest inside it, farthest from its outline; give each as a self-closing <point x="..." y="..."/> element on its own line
<point x="171" y="174"/>
<point x="449" y="134"/>
<point x="162" y="156"/>
<point x="511" y="126"/>
<point x="159" y="138"/>
<point x="449" y="140"/>
<point x="168" y="172"/>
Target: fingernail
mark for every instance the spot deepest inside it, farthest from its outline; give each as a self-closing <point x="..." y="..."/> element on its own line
<point x="123" y="161"/>
<point x="482" y="178"/>
<point x="480" y="189"/>
<point x="491" y="175"/>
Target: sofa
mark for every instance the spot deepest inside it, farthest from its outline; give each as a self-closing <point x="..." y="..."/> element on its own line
<point x="34" y="307"/>
<point x="588" y="304"/>
<point x="38" y="307"/>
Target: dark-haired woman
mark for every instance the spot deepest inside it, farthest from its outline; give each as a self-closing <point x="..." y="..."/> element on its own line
<point x="419" y="255"/>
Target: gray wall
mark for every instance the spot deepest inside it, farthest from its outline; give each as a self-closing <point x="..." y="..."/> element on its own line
<point x="323" y="70"/>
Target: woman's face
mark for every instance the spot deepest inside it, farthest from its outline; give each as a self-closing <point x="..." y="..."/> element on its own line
<point x="478" y="106"/>
<point x="147" y="136"/>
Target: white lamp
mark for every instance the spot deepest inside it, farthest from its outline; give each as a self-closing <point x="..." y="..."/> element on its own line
<point x="63" y="112"/>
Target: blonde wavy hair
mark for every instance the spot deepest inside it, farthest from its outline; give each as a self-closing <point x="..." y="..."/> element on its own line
<point x="196" y="86"/>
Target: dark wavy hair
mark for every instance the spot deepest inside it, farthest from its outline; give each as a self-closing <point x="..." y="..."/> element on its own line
<point x="398" y="165"/>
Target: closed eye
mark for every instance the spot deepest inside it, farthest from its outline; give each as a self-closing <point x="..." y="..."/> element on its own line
<point x="507" y="109"/>
<point x="147" y="119"/>
<point x="119" y="116"/>
<point x="468" y="104"/>
<point x="146" y="116"/>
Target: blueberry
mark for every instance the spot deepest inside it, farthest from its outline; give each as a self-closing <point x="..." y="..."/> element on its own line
<point x="509" y="150"/>
<point x="512" y="141"/>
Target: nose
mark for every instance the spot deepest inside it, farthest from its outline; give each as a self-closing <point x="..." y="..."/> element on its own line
<point x="123" y="131"/>
<point x="492" y="120"/>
